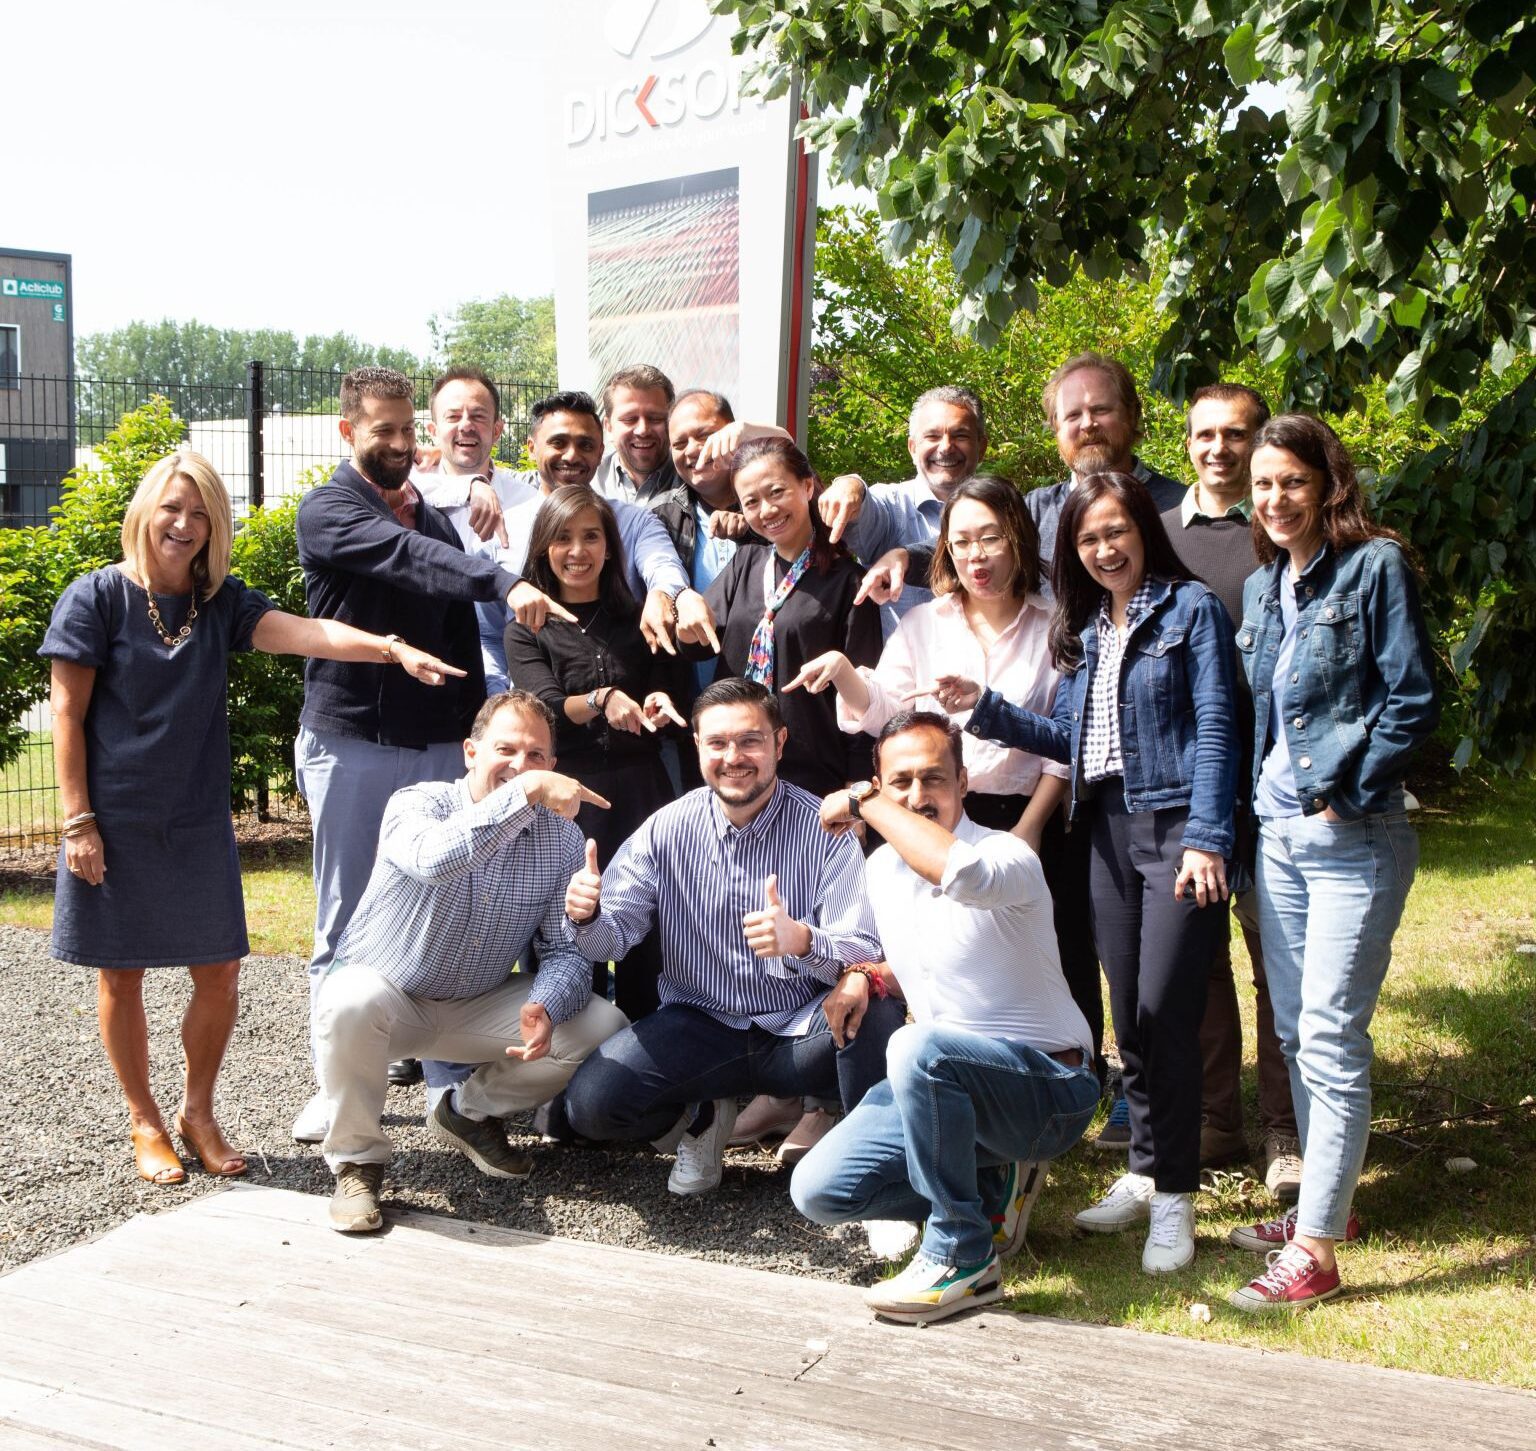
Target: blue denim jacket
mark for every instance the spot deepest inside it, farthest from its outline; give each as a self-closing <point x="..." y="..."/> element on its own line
<point x="1178" y="716"/>
<point x="1362" y="688"/>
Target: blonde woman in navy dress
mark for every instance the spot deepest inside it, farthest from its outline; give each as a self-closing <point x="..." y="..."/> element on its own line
<point x="148" y="874"/>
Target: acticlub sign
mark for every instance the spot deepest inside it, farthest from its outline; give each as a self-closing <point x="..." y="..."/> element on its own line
<point x="683" y="209"/>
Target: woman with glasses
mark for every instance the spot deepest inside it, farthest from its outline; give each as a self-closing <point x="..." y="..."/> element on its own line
<point x="1334" y="645"/>
<point x="1145" y="714"/>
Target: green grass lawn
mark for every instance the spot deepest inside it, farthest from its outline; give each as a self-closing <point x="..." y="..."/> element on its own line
<point x="1445" y="1279"/>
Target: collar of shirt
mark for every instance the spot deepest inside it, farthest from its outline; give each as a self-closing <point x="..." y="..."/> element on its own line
<point x="951" y="604"/>
<point x="405" y="509"/>
<point x="1190" y="510"/>
<point x="1139" y="604"/>
<point x="759" y="824"/>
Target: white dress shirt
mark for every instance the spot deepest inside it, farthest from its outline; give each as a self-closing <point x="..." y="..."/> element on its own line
<point x="978" y="952"/>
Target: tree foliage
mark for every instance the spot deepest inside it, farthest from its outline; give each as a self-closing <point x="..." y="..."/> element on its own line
<point x="509" y="337"/>
<point x="37" y="563"/>
<point x="1376" y="229"/>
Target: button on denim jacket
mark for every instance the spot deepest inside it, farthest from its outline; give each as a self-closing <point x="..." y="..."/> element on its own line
<point x="1361" y="694"/>
<point x="1178" y="716"/>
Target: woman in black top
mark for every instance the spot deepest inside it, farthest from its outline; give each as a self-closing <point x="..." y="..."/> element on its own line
<point x="611" y="696"/>
<point x="780" y="604"/>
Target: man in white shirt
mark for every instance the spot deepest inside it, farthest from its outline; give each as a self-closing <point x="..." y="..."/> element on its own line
<point x="994" y="1075"/>
<point x="465" y="426"/>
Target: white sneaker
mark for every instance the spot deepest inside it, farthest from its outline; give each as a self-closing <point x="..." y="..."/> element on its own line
<point x="1171" y="1241"/>
<point x="313" y="1122"/>
<point x="1128" y="1202"/>
<point x="697" y="1169"/>
<point x="890" y="1239"/>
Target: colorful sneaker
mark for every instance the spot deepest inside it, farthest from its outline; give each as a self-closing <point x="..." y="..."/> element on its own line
<point x="1128" y="1202"/>
<point x="1277" y="1233"/>
<point x="699" y="1156"/>
<point x="1282" y="1166"/>
<point x="1293" y="1281"/>
<point x="1115" y="1136"/>
<point x="891" y="1239"/>
<point x="927" y="1291"/>
<point x="1171" y="1240"/>
<point x="1026" y="1178"/>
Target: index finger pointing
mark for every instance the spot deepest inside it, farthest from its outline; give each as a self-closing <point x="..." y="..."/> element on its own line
<point x="714" y="640"/>
<point x="919" y="694"/>
<point x="560" y="612"/>
<point x="593" y="798"/>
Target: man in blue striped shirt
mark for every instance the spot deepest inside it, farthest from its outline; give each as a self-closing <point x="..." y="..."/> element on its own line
<point x="470" y="875"/>
<point x="761" y="916"/>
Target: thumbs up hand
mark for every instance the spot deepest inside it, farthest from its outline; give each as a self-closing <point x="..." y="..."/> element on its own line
<point x="584" y="895"/>
<point x="772" y="932"/>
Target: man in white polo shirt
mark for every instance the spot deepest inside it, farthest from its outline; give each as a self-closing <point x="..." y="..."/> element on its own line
<point x="995" y="1074"/>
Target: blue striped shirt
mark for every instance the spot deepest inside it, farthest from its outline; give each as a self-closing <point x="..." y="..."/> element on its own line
<point x="697" y="875"/>
<point x="459" y="890"/>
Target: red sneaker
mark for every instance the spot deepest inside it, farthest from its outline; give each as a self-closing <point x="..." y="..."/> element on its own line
<point x="1277" y="1233"/>
<point x="1293" y="1281"/>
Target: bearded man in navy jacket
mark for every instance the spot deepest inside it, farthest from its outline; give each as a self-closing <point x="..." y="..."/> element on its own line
<point x="378" y="556"/>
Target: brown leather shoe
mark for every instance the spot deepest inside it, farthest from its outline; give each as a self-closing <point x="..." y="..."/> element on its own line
<point x="1221" y="1147"/>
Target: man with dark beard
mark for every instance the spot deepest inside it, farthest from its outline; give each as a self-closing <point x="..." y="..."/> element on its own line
<point x="376" y="555"/>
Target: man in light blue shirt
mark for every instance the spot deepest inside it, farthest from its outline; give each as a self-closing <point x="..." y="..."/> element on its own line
<point x="947" y="438"/>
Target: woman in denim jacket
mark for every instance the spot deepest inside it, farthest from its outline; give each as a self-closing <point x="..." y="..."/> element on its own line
<point x="1145" y="714"/>
<point x="1334" y="644"/>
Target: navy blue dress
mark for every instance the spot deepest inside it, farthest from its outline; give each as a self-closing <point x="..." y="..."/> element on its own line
<point x="157" y="764"/>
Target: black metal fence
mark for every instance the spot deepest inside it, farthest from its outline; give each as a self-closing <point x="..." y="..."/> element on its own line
<point x="263" y="435"/>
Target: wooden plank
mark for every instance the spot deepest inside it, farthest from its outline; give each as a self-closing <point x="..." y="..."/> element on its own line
<point x="441" y="1333"/>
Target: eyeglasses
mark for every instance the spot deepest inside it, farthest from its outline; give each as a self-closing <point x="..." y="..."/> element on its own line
<point x="987" y="546"/>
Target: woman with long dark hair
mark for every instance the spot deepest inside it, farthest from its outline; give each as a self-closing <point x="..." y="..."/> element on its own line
<point x="1145" y="715"/>
<point x="610" y="694"/>
<point x="1334" y="644"/>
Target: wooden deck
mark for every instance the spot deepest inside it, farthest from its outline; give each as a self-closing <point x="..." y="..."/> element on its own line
<point x="241" y="1321"/>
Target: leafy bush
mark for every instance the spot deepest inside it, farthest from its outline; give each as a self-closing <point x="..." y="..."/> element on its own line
<point x="36" y="564"/>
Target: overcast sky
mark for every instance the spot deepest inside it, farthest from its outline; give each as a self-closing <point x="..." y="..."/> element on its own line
<point x="303" y="164"/>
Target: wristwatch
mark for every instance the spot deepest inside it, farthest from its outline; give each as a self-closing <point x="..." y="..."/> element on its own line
<point x="592" y="704"/>
<point x="858" y="794"/>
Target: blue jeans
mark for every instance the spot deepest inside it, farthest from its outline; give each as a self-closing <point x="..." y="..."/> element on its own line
<point x="928" y="1143"/>
<point x="638" y="1082"/>
<point x="1331" y="894"/>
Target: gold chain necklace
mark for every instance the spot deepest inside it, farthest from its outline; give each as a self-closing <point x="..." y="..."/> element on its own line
<point x="180" y="637"/>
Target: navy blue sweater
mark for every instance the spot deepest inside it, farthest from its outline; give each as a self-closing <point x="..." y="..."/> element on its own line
<point x="362" y="566"/>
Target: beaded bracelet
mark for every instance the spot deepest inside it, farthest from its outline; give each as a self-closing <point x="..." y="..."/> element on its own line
<point x="870" y="972"/>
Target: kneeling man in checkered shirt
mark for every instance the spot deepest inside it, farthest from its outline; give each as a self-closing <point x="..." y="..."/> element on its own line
<point x="470" y="875"/>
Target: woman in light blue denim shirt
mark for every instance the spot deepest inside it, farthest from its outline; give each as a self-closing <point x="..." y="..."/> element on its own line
<point x="1334" y="644"/>
<point x="1145" y="714"/>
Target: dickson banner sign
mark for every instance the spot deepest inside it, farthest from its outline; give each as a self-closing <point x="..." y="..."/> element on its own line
<point x="684" y="210"/>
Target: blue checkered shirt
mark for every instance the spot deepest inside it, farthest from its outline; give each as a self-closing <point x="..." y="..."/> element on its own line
<point x="697" y="875"/>
<point x="1101" y="719"/>
<point x="459" y="890"/>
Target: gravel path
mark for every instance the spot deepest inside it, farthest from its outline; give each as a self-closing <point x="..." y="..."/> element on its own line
<point x="67" y="1172"/>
